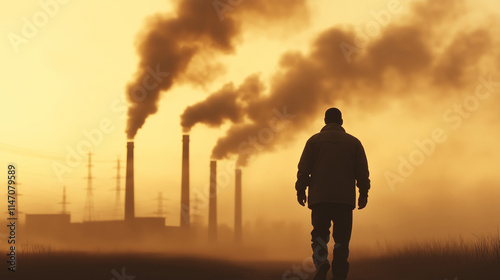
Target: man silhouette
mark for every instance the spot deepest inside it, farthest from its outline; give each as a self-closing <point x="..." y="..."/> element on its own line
<point x="332" y="164"/>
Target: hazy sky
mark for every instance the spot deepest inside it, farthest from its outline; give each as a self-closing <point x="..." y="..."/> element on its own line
<point x="66" y="67"/>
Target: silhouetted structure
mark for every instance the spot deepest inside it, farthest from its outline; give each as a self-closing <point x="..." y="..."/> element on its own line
<point x="117" y="212"/>
<point x="185" y="213"/>
<point x="160" y="212"/>
<point x="57" y="230"/>
<point x="44" y="228"/>
<point x="212" y="203"/>
<point x="129" y="183"/>
<point x="89" y="200"/>
<point x="64" y="202"/>
<point x="47" y="221"/>
<point x="237" y="207"/>
<point x="197" y="218"/>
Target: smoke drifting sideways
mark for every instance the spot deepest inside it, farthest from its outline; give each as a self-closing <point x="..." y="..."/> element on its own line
<point x="223" y="105"/>
<point x="169" y="45"/>
<point x="422" y="50"/>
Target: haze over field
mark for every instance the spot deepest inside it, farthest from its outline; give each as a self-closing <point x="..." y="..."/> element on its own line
<point x="418" y="83"/>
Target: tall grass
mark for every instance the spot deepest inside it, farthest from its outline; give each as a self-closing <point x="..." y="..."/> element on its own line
<point x="459" y="258"/>
<point x="34" y="249"/>
<point x="473" y="258"/>
<point x="480" y="249"/>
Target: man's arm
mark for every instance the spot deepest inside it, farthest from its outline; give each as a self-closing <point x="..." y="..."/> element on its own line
<point x="305" y="167"/>
<point x="362" y="176"/>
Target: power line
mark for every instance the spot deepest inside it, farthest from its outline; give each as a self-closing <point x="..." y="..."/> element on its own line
<point x="28" y="152"/>
<point x="37" y="154"/>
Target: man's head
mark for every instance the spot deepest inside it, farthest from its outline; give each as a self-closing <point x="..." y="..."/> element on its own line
<point x="333" y="115"/>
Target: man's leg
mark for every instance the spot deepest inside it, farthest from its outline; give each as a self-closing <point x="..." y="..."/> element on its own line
<point x="320" y="235"/>
<point x="342" y="228"/>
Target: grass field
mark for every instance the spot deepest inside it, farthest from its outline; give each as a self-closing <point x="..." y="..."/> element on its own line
<point x="458" y="259"/>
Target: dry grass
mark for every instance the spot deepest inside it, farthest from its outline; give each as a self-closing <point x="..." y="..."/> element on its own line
<point x="35" y="249"/>
<point x="480" y="249"/>
<point x="453" y="259"/>
<point x="478" y="258"/>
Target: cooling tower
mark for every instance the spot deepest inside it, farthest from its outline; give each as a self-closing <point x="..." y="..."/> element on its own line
<point x="129" y="187"/>
<point x="237" y="208"/>
<point x="185" y="216"/>
<point x="212" y="203"/>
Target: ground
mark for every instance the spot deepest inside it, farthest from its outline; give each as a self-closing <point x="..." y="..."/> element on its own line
<point x="81" y="266"/>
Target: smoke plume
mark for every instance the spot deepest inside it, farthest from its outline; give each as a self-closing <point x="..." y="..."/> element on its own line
<point x="225" y="104"/>
<point x="169" y="45"/>
<point x="419" y="52"/>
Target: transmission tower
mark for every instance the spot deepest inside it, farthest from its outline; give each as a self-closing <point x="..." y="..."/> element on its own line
<point x="117" y="212"/>
<point x="160" y="212"/>
<point x="88" y="212"/>
<point x="196" y="214"/>
<point x="64" y="202"/>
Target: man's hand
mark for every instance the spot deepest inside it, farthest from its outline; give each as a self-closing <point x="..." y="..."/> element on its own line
<point x="362" y="201"/>
<point x="301" y="198"/>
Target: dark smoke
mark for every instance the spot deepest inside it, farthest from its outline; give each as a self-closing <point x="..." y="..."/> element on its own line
<point x="169" y="45"/>
<point x="418" y="51"/>
<point x="225" y="104"/>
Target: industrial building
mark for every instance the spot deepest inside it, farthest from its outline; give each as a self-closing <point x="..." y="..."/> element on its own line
<point x="134" y="232"/>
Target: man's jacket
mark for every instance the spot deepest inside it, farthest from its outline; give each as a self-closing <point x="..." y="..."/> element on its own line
<point x="332" y="164"/>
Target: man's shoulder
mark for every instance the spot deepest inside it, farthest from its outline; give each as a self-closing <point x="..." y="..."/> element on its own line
<point x="352" y="137"/>
<point x="315" y="137"/>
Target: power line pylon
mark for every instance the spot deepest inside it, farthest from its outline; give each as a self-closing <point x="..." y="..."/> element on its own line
<point x="64" y="202"/>
<point x="117" y="212"/>
<point x="88" y="212"/>
<point x="160" y="211"/>
<point x="196" y="213"/>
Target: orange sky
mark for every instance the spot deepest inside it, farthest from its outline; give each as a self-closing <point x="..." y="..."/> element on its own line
<point x="68" y="80"/>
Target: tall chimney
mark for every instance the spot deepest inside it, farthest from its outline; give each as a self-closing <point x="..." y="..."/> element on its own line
<point x="129" y="187"/>
<point x="237" y="208"/>
<point x="212" y="203"/>
<point x="185" y="216"/>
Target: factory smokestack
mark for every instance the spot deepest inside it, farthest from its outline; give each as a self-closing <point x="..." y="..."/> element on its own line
<point x="185" y="216"/>
<point x="237" y="208"/>
<point x="212" y="203"/>
<point x="129" y="188"/>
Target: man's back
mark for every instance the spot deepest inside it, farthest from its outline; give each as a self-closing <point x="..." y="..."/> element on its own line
<point x="334" y="160"/>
